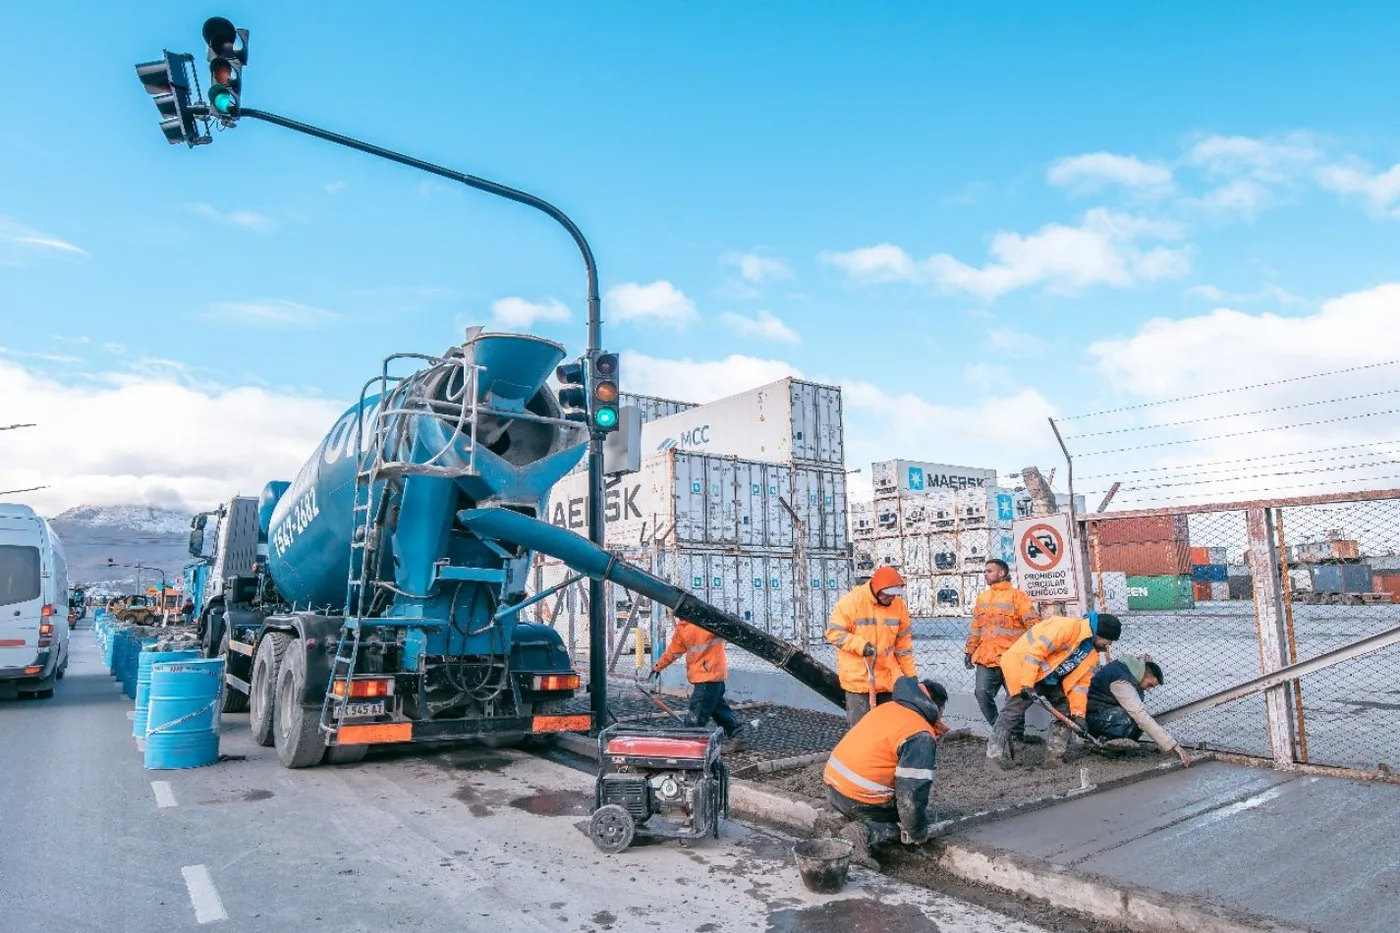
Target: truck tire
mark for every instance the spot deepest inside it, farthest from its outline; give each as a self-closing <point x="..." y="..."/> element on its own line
<point x="234" y="702"/>
<point x="345" y="754"/>
<point x="267" y="664"/>
<point x="298" y="734"/>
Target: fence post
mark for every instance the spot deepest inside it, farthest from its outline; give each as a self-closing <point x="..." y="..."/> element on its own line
<point x="1273" y="647"/>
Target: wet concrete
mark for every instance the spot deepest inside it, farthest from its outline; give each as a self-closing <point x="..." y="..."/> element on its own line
<point x="1318" y="852"/>
<point x="252" y="795"/>
<point x="857" y="915"/>
<point x="559" y="803"/>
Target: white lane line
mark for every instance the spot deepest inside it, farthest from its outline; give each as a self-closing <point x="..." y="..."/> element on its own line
<point x="207" y="906"/>
<point x="165" y="797"/>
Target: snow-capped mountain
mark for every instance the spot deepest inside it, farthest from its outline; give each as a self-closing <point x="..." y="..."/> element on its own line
<point x="147" y="519"/>
<point x="155" y="538"/>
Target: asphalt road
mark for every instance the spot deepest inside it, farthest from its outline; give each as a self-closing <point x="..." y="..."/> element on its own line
<point x="463" y="839"/>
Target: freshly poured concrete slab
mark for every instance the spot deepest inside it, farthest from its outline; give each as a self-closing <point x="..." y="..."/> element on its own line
<point x="1308" y="851"/>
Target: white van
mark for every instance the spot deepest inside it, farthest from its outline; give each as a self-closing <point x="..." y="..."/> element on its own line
<point x="33" y="602"/>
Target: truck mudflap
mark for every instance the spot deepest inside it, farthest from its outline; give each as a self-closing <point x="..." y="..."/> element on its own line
<point x="377" y="733"/>
<point x="586" y="557"/>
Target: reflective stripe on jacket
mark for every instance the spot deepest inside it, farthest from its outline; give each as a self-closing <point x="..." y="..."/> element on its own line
<point x="878" y="752"/>
<point x="1046" y="645"/>
<point x="705" y="658"/>
<point x="858" y="620"/>
<point x="1001" y="615"/>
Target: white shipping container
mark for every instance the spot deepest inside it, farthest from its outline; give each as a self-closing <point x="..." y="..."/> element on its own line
<point x="918" y="596"/>
<point x="891" y="477"/>
<point x="819" y="498"/>
<point x="887" y="518"/>
<point x="972" y="586"/>
<point x="916" y="555"/>
<point x="862" y="520"/>
<point x="889" y="552"/>
<point x="978" y="546"/>
<point x="913" y="515"/>
<point x="1219" y="590"/>
<point x="1114" y="586"/>
<point x="948" y="595"/>
<point x="944" y="555"/>
<point x="653" y="408"/>
<point x="788" y="420"/>
<point x="863" y="555"/>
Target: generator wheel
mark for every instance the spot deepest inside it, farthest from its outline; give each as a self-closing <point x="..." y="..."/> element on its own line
<point x="611" y="829"/>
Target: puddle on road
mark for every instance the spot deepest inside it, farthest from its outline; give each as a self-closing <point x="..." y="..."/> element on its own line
<point x="562" y="803"/>
<point x="237" y="796"/>
<point x="857" y="915"/>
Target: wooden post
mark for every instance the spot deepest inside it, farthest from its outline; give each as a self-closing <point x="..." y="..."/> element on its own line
<point x="1273" y="641"/>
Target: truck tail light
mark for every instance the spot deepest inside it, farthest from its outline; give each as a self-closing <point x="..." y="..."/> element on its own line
<point x="31" y="671"/>
<point x="48" y="611"/>
<point x="555" y="682"/>
<point x="365" y="687"/>
<point x="45" y="633"/>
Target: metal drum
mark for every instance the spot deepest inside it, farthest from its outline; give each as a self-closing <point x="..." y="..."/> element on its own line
<point x="118" y="653"/>
<point x="131" y="663"/>
<point x="184" y="714"/>
<point x="148" y="658"/>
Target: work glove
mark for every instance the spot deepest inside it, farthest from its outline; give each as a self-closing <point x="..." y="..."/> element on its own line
<point x="654" y="676"/>
<point x="869" y="651"/>
<point x="1082" y="724"/>
<point x="967" y="661"/>
<point x="1028" y="694"/>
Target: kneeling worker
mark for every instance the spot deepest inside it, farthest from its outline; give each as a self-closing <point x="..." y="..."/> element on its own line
<point x="707" y="668"/>
<point x="880" y="773"/>
<point x="874" y="641"/>
<point x="1055" y="658"/>
<point x="1115" y="704"/>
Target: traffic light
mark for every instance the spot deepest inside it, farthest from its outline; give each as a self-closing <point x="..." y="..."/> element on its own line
<point x="168" y="82"/>
<point x="228" y="54"/>
<point x="573" y="399"/>
<point x="603" y="392"/>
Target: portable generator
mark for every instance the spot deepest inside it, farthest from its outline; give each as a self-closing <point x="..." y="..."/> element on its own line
<point x="658" y="782"/>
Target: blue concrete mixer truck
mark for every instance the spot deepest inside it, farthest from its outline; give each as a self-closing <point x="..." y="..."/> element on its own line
<point x="384" y="603"/>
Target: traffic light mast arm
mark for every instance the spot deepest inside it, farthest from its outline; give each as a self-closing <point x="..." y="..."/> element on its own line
<point x="481" y="184"/>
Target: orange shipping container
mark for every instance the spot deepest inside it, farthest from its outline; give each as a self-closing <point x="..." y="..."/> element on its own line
<point x="1200" y="555"/>
<point x="1386" y="583"/>
<point x="1201" y="591"/>
<point x="1141" y="530"/>
<point x="1152" y="558"/>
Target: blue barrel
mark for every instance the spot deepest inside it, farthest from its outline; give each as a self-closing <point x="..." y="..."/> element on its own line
<point x="143" y="683"/>
<point x="184" y="714"/>
<point x="118" y="656"/>
<point x="134" y="648"/>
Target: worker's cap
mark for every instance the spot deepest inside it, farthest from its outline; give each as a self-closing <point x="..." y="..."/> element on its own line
<point x="935" y="692"/>
<point x="1155" y="670"/>
<point x="1109" y="627"/>
<point x="888" y="581"/>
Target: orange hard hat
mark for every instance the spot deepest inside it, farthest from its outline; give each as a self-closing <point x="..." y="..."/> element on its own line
<point x="887" y="578"/>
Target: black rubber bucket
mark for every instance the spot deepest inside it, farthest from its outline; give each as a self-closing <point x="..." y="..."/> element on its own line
<point x="823" y="864"/>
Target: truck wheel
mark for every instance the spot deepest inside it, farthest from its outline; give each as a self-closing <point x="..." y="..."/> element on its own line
<point x="267" y="664"/>
<point x="234" y="702"/>
<point x="298" y="734"/>
<point x="345" y="754"/>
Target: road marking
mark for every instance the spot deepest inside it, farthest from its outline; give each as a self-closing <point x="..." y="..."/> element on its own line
<point x="165" y="797"/>
<point x="130" y="715"/>
<point x="207" y="906"/>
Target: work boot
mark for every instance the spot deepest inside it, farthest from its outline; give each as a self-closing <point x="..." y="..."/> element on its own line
<point x="999" y="750"/>
<point x="829" y="824"/>
<point x="859" y="838"/>
<point x="1057" y="748"/>
<point x="1028" y="738"/>
<point x="735" y="742"/>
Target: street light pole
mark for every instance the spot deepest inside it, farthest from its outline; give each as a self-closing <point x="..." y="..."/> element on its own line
<point x="597" y="621"/>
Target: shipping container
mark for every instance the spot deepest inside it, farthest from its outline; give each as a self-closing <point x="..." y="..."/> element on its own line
<point x="1111" y="589"/>
<point x="916" y="556"/>
<point x="1333" y="549"/>
<point x="977" y="547"/>
<point x="1241" y="587"/>
<point x="863" y="557"/>
<point x="1149" y="558"/>
<point x="947" y="595"/>
<point x="1200" y="555"/>
<point x="889" y="552"/>
<point x="653" y="408"/>
<point x="1209" y="573"/>
<point x="1384" y="562"/>
<point x="786" y="421"/>
<point x="914" y="514"/>
<point x="887" y="518"/>
<point x="1220" y="591"/>
<point x="1341" y="578"/>
<point x="1386" y="581"/>
<point x="1159" y="592"/>
<point x="918" y="592"/>
<point x="1142" y="530"/>
<point x="862" y="520"/>
<point x="944" y="553"/>
<point x="1300" y="580"/>
<point x="1217" y="555"/>
<point x="893" y="477"/>
<point x="1201" y="591"/>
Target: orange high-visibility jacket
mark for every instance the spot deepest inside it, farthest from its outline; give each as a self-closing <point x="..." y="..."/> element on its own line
<point x="705" y="659"/>
<point x="878" y="750"/>
<point x="1036" y="654"/>
<point x="858" y="620"/>
<point x="1001" y="615"/>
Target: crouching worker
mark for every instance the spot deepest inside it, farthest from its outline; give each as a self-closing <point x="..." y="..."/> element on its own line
<point x="1115" y="704"/>
<point x="879" y="775"/>
<point x="1056" y="659"/>
<point x="707" y="668"/>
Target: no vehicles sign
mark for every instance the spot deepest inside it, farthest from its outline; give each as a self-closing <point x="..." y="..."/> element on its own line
<point x="1045" y="558"/>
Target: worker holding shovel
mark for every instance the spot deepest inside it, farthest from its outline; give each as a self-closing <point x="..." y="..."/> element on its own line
<point x="707" y="668"/>
<point x="874" y="642"/>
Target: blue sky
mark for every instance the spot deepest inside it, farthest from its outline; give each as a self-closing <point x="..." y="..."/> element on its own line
<point x="942" y="207"/>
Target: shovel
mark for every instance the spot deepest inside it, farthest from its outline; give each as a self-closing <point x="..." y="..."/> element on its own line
<point x="1073" y="726"/>
<point x="656" y="700"/>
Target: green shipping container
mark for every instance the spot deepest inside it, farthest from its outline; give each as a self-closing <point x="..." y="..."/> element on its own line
<point x="1160" y="593"/>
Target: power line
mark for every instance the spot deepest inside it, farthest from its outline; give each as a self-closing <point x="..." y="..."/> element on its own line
<point x="1239" y="414"/>
<point x="1298" y="453"/>
<point x="1220" y="437"/>
<point x="1257" y="385"/>
<point x="1247" y="476"/>
<point x="1266" y="489"/>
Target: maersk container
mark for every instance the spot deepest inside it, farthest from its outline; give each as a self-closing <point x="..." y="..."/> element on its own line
<point x="788" y="421"/>
<point x="1160" y="593"/>
<point x="897" y="477"/>
<point x="916" y="555"/>
<point x="862" y="520"/>
<point x="863" y="557"/>
<point x="889" y="552"/>
<point x="1341" y="578"/>
<point x="887" y="517"/>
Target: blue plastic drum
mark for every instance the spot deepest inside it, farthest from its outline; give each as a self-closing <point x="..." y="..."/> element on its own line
<point x="133" y="660"/>
<point x="143" y="684"/>
<point x="182" y="725"/>
<point x="118" y="659"/>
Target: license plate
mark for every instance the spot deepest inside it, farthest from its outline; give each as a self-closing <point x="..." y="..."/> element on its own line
<point x="357" y="710"/>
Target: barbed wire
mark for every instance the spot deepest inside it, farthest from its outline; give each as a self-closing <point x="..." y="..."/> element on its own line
<point x="1219" y="437"/>
<point x="1238" y="414"/>
<point x="1246" y="388"/>
<point x="1249" y="476"/>
<point x="1298" y="453"/>
<point x="1264" y="489"/>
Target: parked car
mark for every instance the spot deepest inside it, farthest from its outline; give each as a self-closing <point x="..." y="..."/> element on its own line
<point x="33" y="600"/>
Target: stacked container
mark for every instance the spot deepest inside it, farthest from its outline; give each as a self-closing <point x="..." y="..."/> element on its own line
<point x="1155" y="555"/>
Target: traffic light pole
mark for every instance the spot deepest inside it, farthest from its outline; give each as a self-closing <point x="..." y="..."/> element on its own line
<point x="597" y="618"/>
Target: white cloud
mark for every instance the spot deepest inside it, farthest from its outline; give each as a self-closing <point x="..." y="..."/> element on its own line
<point x="764" y="324"/>
<point x="1273" y="293"/>
<point x="883" y="263"/>
<point x="700" y="380"/>
<point x="273" y="313"/>
<point x="519" y="313"/>
<point x="19" y="244"/>
<point x="1243" y="197"/>
<point x="1092" y="171"/>
<point x="1006" y="341"/>
<point x="37" y="355"/>
<point x="757" y="269"/>
<point x="334" y="186"/>
<point x="1271" y="159"/>
<point x="93" y="444"/>
<point x="659" y="302"/>
<point x="244" y="219"/>
<point x="1381" y="189"/>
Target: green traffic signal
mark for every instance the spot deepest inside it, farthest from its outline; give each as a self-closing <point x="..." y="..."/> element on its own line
<point x="606" y="417"/>
<point x="223" y="100"/>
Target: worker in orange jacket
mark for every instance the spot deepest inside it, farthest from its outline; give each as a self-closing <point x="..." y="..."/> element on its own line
<point x="1056" y="658"/>
<point x="880" y="774"/>
<point x="874" y="642"/>
<point x="707" y="668"/>
<point x="1000" y="615"/>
